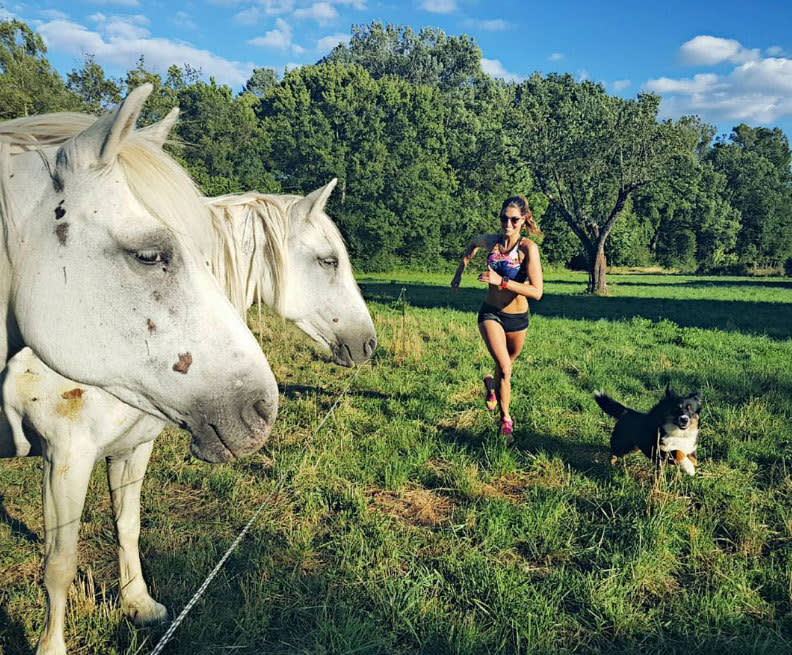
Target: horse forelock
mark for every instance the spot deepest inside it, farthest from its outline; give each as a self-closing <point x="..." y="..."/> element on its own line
<point x="161" y="185"/>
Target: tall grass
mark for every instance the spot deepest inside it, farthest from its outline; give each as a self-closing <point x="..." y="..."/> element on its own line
<point x="405" y="525"/>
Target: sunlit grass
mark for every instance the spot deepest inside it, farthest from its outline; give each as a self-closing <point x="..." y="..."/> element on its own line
<point x="406" y="526"/>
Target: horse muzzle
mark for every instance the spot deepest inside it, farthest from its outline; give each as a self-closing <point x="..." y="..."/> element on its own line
<point x="354" y="351"/>
<point x="233" y="431"/>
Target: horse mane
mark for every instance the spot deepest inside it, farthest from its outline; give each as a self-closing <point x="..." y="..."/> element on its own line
<point x="270" y="259"/>
<point x="154" y="177"/>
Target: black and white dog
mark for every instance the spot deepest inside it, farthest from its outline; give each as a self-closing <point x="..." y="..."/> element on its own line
<point x="668" y="431"/>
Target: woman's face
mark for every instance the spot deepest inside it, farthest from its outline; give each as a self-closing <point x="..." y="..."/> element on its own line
<point x="511" y="220"/>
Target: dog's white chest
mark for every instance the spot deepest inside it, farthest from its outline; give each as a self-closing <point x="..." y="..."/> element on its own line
<point x="677" y="439"/>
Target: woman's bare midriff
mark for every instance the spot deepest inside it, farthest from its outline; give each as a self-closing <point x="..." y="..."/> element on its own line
<point x="505" y="300"/>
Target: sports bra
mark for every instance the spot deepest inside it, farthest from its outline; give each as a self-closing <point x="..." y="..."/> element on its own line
<point x="508" y="264"/>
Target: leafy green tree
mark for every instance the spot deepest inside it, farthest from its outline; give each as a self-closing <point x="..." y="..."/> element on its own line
<point x="224" y="146"/>
<point x="427" y="57"/>
<point x="261" y="80"/>
<point x="756" y="163"/>
<point x="28" y="83"/>
<point x="588" y="152"/>
<point x="96" y="92"/>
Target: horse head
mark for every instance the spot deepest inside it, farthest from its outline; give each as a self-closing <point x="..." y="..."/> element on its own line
<point x="109" y="282"/>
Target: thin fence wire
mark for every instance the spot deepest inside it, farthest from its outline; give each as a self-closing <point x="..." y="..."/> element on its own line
<point x="205" y="584"/>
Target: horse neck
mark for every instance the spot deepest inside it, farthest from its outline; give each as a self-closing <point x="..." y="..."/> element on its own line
<point x="10" y="339"/>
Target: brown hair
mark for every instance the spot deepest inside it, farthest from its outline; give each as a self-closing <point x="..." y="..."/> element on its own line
<point x="525" y="211"/>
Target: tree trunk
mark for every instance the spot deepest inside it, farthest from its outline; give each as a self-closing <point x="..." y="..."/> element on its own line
<point x="597" y="264"/>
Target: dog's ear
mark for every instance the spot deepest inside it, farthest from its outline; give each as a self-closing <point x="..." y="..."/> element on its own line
<point x="668" y="390"/>
<point x="697" y="396"/>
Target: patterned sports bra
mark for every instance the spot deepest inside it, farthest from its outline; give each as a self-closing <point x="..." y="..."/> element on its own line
<point x="508" y="264"/>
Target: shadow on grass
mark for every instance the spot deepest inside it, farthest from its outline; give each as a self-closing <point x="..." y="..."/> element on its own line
<point x="300" y="390"/>
<point x="13" y="640"/>
<point x="18" y="528"/>
<point x="763" y="318"/>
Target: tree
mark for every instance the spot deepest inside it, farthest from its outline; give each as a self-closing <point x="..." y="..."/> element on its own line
<point x="96" y="92"/>
<point x="588" y="152"/>
<point x="261" y="80"/>
<point x="755" y="162"/>
<point x="28" y="83"/>
<point x="428" y="57"/>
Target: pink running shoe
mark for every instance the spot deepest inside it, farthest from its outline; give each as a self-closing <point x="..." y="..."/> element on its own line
<point x="490" y="399"/>
<point x="506" y="427"/>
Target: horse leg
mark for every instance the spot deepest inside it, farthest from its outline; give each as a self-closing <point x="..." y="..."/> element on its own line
<point x="125" y="478"/>
<point x="67" y="470"/>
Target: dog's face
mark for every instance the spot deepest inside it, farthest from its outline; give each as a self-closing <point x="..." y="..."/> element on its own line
<point x="682" y="411"/>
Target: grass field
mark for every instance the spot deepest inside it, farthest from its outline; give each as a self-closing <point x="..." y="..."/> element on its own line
<point x="405" y="526"/>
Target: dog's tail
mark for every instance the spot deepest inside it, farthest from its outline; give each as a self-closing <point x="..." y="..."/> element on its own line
<point x="609" y="405"/>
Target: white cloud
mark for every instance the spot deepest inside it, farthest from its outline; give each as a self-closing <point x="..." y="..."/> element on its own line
<point x="277" y="7"/>
<point x="116" y="3"/>
<point x="119" y="49"/>
<point x="774" y="51"/>
<point x="702" y="83"/>
<point x="582" y="75"/>
<point x="248" y="16"/>
<point x="439" y="6"/>
<point x="320" y="11"/>
<point x="620" y="85"/>
<point x="493" y="25"/>
<point x="184" y="20"/>
<point x="355" y="4"/>
<point x="756" y="90"/>
<point x="707" y="50"/>
<point x="495" y="68"/>
<point x="53" y="14"/>
<point x="279" y="39"/>
<point x="122" y="27"/>
<point x="327" y="43"/>
<point x="556" y="56"/>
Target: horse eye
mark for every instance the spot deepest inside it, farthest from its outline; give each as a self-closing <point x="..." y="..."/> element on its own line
<point x="328" y="262"/>
<point x="151" y="257"/>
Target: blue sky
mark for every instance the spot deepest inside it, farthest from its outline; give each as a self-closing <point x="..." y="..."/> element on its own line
<point x="725" y="61"/>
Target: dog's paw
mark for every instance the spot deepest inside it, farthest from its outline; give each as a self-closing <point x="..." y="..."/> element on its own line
<point x="687" y="466"/>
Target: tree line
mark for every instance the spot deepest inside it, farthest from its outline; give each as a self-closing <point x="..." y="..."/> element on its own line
<point x="426" y="146"/>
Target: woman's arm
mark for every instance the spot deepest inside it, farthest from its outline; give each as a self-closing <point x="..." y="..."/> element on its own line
<point x="533" y="287"/>
<point x="477" y="242"/>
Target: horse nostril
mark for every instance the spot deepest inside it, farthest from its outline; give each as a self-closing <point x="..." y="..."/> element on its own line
<point x="262" y="409"/>
<point x="369" y="346"/>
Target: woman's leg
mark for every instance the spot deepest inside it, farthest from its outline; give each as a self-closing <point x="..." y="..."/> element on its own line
<point x="496" y="340"/>
<point x="514" y="344"/>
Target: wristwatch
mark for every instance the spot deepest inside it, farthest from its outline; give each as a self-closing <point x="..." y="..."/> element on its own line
<point x="504" y="282"/>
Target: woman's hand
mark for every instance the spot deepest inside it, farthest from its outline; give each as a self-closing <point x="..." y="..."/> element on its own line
<point x="490" y="277"/>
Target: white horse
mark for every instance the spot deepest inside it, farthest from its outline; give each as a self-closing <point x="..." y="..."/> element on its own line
<point x="283" y="250"/>
<point x="101" y="274"/>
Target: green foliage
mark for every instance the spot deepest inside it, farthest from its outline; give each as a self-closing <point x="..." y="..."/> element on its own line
<point x="96" y="92"/>
<point x="756" y="164"/>
<point x="426" y="146"/>
<point x="28" y="83"/>
<point x="428" y="57"/>
<point x="588" y="152"/>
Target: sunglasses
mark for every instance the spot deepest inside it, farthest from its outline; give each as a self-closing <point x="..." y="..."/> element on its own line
<point x="513" y="219"/>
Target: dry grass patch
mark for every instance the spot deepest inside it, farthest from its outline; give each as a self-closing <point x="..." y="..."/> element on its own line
<point x="413" y="506"/>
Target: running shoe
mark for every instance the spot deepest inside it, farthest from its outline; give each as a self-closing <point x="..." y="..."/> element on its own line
<point x="506" y="427"/>
<point x="490" y="399"/>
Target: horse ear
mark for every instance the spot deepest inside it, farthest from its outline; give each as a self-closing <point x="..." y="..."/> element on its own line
<point x="316" y="200"/>
<point x="158" y="132"/>
<point x="101" y="142"/>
